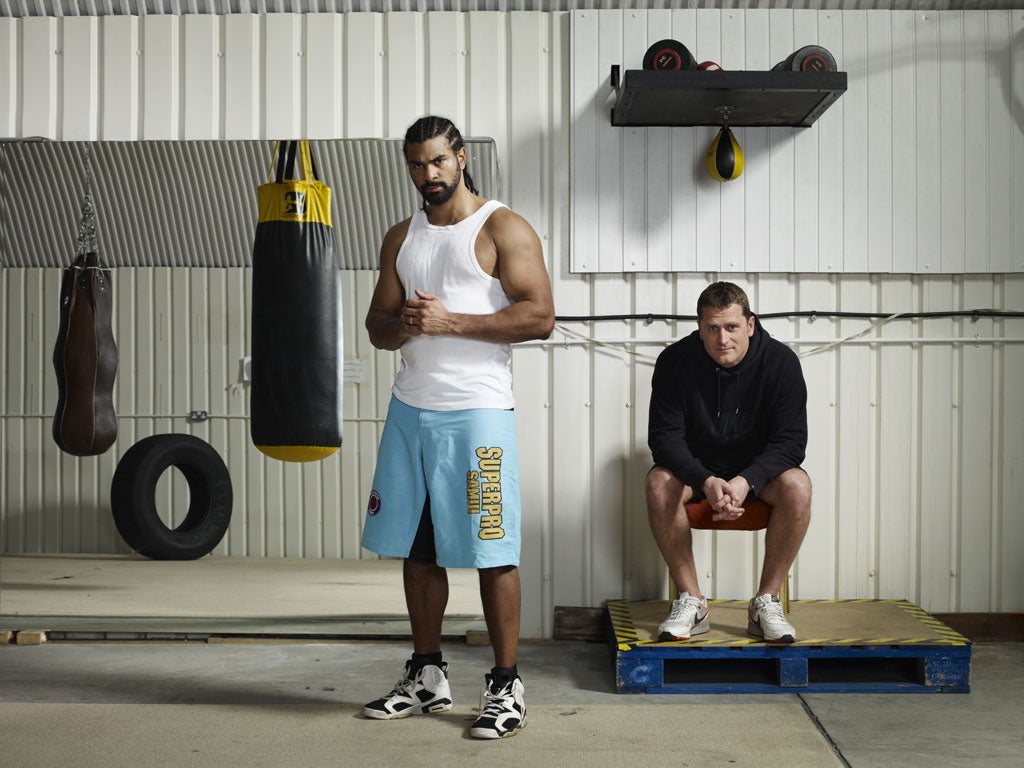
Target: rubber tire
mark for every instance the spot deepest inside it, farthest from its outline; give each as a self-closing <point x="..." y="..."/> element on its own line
<point x="133" y="497"/>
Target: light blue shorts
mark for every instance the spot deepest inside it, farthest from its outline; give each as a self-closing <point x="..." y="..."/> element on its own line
<point x="468" y="464"/>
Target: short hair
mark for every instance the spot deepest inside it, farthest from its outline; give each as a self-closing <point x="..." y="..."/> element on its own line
<point x="432" y="126"/>
<point x="722" y="295"/>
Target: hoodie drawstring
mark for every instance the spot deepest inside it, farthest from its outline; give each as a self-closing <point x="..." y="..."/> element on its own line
<point x="719" y="373"/>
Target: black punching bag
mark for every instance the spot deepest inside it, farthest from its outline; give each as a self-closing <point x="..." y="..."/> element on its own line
<point x="85" y="354"/>
<point x="297" y="357"/>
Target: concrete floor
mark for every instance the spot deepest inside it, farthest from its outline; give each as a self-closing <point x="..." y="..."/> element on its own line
<point x="264" y="679"/>
<point x="261" y="686"/>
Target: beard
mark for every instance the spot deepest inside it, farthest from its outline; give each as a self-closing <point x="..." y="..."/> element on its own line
<point x="444" y="194"/>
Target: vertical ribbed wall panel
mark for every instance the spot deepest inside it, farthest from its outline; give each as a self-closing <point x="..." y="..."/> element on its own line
<point x="915" y="168"/>
<point x="182" y="335"/>
<point x="916" y="440"/>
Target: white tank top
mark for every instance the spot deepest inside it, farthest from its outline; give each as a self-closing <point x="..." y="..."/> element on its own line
<point x="447" y="373"/>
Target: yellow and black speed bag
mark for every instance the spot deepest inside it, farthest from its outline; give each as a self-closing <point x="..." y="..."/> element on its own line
<point x="725" y="158"/>
<point x="295" y="400"/>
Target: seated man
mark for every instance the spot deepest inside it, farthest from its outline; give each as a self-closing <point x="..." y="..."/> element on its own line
<point x="728" y="422"/>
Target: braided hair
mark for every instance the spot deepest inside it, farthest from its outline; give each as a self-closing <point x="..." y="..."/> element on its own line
<point x="430" y="127"/>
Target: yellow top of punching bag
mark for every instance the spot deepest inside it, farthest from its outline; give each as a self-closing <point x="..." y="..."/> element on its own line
<point x="302" y="201"/>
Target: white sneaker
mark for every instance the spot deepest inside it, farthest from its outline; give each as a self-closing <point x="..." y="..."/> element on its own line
<point x="424" y="692"/>
<point x="765" y="619"/>
<point x="689" y="616"/>
<point x="502" y="710"/>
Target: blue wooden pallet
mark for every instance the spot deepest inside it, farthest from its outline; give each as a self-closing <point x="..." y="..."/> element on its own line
<point x="918" y="653"/>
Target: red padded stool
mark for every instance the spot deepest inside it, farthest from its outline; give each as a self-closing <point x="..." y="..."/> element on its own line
<point x="754" y="518"/>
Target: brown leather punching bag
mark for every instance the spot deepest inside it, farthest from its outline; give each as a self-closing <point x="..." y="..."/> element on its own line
<point x="85" y="355"/>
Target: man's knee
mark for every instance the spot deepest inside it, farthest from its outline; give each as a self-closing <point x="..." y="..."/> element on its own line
<point x="662" y="489"/>
<point x="792" y="487"/>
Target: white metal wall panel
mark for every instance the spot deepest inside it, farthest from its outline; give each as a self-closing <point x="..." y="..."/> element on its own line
<point x="282" y="76"/>
<point x="880" y="149"/>
<point x="8" y="77"/>
<point x="917" y="443"/>
<point x="119" y="117"/>
<point x="1008" y="575"/>
<point x="915" y="448"/>
<point x="894" y="177"/>
<point x="201" y="67"/>
<point x="324" y="87"/>
<point x="364" y="80"/>
<point x="80" y="62"/>
<point x="242" y="77"/>
<point x="38" y="99"/>
<point x="161" y="76"/>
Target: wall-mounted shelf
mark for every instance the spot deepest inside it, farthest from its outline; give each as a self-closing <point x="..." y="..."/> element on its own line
<point x="757" y="98"/>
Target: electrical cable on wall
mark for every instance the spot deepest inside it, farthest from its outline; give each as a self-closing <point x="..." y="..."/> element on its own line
<point x="974" y="314"/>
<point x="881" y="318"/>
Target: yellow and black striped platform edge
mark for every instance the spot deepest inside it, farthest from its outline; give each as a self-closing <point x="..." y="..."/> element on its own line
<point x="626" y="636"/>
<point x="622" y="624"/>
<point x="950" y="635"/>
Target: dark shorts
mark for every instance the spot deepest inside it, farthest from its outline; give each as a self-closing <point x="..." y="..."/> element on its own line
<point x="698" y="494"/>
<point x="423" y="548"/>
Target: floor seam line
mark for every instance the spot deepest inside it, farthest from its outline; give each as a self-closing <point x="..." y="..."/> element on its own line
<point x="824" y="733"/>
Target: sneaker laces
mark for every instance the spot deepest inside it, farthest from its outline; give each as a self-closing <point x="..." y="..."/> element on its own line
<point x="492" y="700"/>
<point x="770" y="610"/>
<point x="685" y="607"/>
<point x="404" y="686"/>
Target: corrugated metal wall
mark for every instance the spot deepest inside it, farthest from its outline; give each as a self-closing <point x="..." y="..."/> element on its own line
<point x="194" y="203"/>
<point x="22" y="8"/>
<point x="917" y="439"/>
<point x="182" y="334"/>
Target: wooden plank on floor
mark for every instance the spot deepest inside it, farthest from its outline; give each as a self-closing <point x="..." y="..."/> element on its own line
<point x="987" y="627"/>
<point x="576" y="623"/>
<point x="30" y="637"/>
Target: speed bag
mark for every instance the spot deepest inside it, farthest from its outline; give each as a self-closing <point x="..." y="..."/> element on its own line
<point x="297" y="360"/>
<point x="85" y="360"/>
<point x="725" y="157"/>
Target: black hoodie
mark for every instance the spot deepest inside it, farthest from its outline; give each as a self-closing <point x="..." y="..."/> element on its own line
<point x="748" y="420"/>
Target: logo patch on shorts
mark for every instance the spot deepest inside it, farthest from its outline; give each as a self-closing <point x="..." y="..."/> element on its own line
<point x="483" y="492"/>
<point x="373" y="507"/>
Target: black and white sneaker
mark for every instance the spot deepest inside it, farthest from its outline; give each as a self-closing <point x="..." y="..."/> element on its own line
<point x="502" y="710"/>
<point x="766" y="620"/>
<point x="423" y="692"/>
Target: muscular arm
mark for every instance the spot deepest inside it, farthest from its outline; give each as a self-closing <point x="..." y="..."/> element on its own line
<point x="384" y="317"/>
<point x="518" y="261"/>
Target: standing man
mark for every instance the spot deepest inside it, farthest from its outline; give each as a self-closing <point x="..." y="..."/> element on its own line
<point x="460" y="281"/>
<point x="728" y="422"/>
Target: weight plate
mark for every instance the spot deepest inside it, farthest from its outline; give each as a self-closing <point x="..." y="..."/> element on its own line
<point x="668" y="55"/>
<point x="812" y="58"/>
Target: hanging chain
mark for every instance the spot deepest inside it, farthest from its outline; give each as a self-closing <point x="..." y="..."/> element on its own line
<point x="86" y="242"/>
